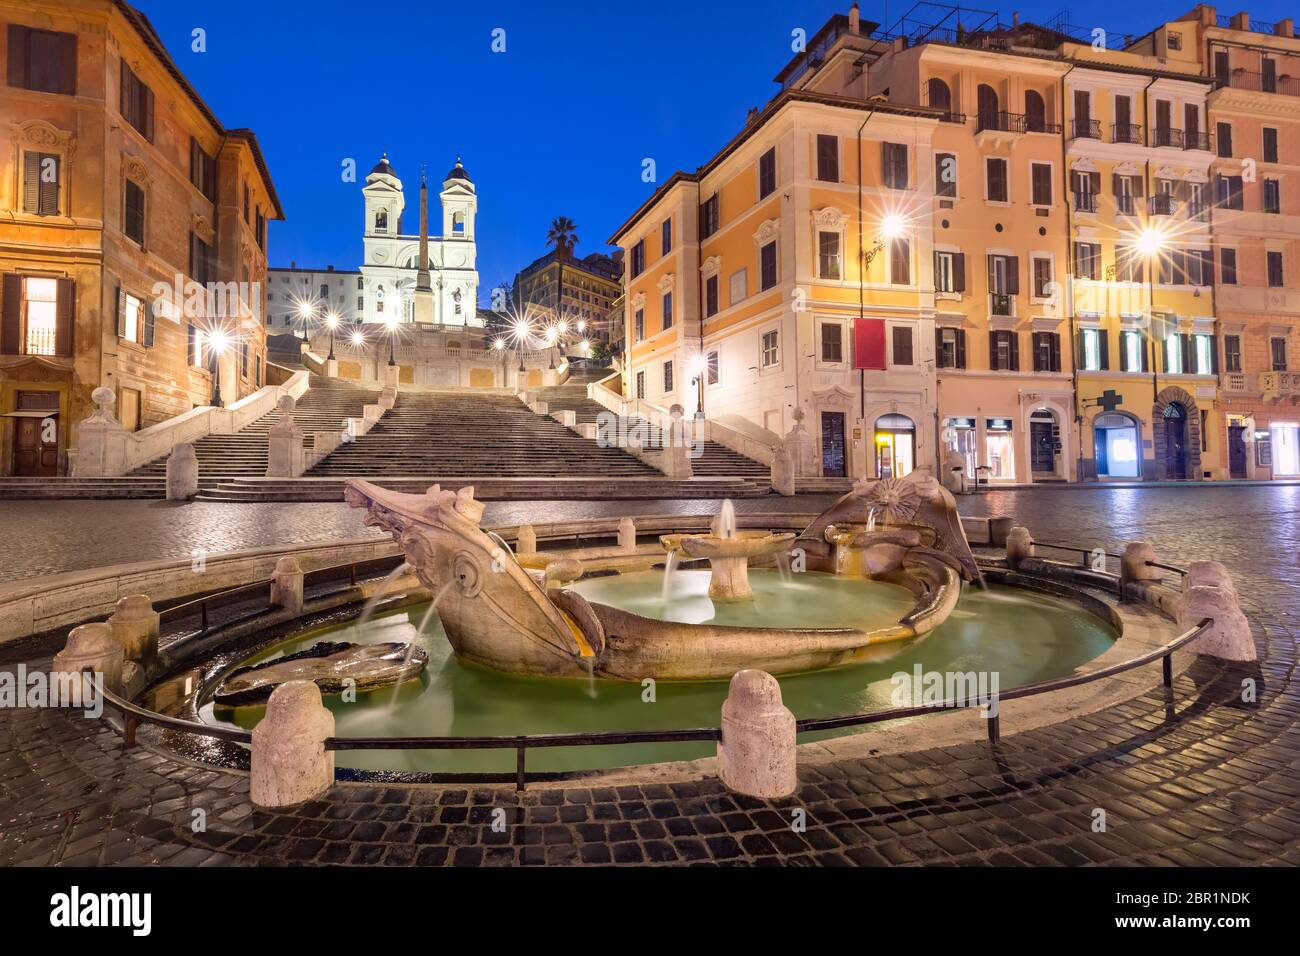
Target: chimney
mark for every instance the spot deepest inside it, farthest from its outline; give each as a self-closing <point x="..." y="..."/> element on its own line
<point x="1015" y="18"/>
<point x="1284" y="27"/>
<point x="751" y="115"/>
<point x="1240" y="21"/>
<point x="854" y="18"/>
<point x="1209" y="14"/>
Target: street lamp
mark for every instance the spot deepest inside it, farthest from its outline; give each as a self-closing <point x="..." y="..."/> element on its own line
<point x="358" y="338"/>
<point x="891" y="227"/>
<point x="306" y="313"/>
<point x="698" y="366"/>
<point x="217" y="343"/>
<point x="332" y="323"/>
<point x="550" y="344"/>
<point x="391" y="322"/>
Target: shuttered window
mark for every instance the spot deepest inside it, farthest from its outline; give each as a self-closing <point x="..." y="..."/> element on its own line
<point x="894" y="165"/>
<point x="1047" y="352"/>
<point x="42" y="173"/>
<point x="136" y="103"/>
<point x="767" y="173"/>
<point x="42" y="60"/>
<point x="828" y="158"/>
<point x="203" y="170"/>
<point x="202" y="260"/>
<point x="997" y="179"/>
<point x="133" y="218"/>
<point x="37" y="315"/>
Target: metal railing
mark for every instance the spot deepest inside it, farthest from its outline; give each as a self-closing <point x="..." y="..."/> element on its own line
<point x="1125" y="133"/>
<point x="1166" y="136"/>
<point x="1085" y="202"/>
<point x="1085" y="129"/>
<point x="1193" y="139"/>
<point x="1163" y="204"/>
<point x="133" y="716"/>
<point x="1260" y="82"/>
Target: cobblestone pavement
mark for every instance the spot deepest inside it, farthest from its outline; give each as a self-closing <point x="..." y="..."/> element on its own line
<point x="1196" y="778"/>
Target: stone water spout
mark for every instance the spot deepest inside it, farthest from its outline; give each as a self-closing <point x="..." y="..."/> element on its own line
<point x="728" y="552"/>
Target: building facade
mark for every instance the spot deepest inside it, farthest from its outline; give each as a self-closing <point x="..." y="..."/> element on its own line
<point x="298" y="300"/>
<point x="134" y="251"/>
<point x="586" y="288"/>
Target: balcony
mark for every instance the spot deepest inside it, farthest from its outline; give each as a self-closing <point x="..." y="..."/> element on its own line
<point x="1085" y="202"/>
<point x="1196" y="140"/>
<point x="1001" y="304"/>
<point x="1279" y="384"/>
<point x="1085" y="129"/>
<point x="1014" y="123"/>
<point x="1234" y="383"/>
<point x="1168" y="137"/>
<point x="1163" y="205"/>
<point x="1126" y="205"/>
<point x="1125" y="133"/>
<point x="1259" y="83"/>
<point x="958" y="118"/>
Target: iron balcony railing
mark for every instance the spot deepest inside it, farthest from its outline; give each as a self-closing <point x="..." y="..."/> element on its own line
<point x="1085" y="202"/>
<point x="1193" y="139"/>
<point x="950" y="117"/>
<point x="1125" y="204"/>
<point x="1125" y="133"/>
<point x="1163" y="205"/>
<point x="1260" y="82"/>
<point x="1015" y="123"/>
<point x="1085" y="129"/>
<point x="1164" y="136"/>
<point x="1000" y="304"/>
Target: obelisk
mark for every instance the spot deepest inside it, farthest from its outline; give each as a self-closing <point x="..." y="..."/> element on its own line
<point x="423" y="285"/>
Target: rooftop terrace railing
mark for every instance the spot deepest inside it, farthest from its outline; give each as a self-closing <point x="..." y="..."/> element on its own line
<point x="133" y="715"/>
<point x="1259" y="82"/>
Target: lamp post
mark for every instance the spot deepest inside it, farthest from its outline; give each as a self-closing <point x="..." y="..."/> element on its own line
<point x="698" y="367"/>
<point x="217" y="342"/>
<point x="391" y="322"/>
<point x="1151" y="243"/>
<point x="550" y="344"/>
<point x="332" y="323"/>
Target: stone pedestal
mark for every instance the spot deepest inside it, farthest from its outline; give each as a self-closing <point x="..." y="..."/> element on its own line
<point x="756" y="755"/>
<point x="331" y="368"/>
<point x="135" y="627"/>
<point x="525" y="540"/>
<point x="803" y="450"/>
<point x="730" y="579"/>
<point x="1020" y="545"/>
<point x="284" y="450"/>
<point x="286" y="585"/>
<point x="387" y="398"/>
<point x="783" y="472"/>
<point x="1229" y="637"/>
<point x="677" y="449"/>
<point x="290" y="764"/>
<point x="626" y="534"/>
<point x="392" y="376"/>
<point x="93" y="646"/>
<point x="1133" y="563"/>
<point x="101" y="440"/>
<point x="182" y="473"/>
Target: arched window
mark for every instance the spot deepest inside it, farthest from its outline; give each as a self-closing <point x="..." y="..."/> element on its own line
<point x="458" y="223"/>
<point x="1035" y="112"/>
<point x="939" y="95"/>
<point x="986" y="105"/>
<point x="381" y="221"/>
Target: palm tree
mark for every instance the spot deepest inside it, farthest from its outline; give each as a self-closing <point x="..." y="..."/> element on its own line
<point x="563" y="236"/>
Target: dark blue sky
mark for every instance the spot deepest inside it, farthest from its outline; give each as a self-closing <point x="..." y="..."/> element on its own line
<point x="557" y="125"/>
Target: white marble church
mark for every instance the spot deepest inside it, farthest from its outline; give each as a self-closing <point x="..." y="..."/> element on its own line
<point x="392" y="279"/>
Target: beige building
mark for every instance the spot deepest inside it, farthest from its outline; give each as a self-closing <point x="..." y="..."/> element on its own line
<point x="133" y="252"/>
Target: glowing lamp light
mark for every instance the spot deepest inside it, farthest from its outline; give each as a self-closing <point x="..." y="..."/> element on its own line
<point x="1150" y="241"/>
<point x="697" y="365"/>
<point x="332" y="320"/>
<point x="358" y="338"/>
<point x="304" y="310"/>
<point x="391" y="322"/>
<point x="218" y="341"/>
<point x="582" y="325"/>
<point x="499" y="344"/>
<point x="585" y="345"/>
<point x="563" y="327"/>
<point x="891" y="227"/>
<point x="550" y="336"/>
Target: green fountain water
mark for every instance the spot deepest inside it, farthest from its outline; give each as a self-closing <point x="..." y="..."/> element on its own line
<point x="1024" y="636"/>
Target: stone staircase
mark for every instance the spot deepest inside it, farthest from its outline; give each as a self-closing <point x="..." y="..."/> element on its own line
<point x="717" y="461"/>
<point x="324" y="407"/>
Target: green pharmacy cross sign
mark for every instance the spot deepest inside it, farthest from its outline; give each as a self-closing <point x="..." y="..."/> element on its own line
<point x="1110" y="400"/>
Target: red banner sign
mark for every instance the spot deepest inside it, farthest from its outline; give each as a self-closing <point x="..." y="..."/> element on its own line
<point x="869" y="343"/>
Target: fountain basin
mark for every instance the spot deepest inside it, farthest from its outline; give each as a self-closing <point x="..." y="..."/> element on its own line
<point x="729" y="556"/>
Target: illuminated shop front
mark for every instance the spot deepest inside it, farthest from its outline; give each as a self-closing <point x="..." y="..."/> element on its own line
<point x="1284" y="437"/>
<point x="1116" y="446"/>
<point x="895" y="446"/>
<point x="999" y="448"/>
<point x="959" y="435"/>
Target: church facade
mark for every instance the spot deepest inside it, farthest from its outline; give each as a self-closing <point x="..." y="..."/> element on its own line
<point x="391" y="273"/>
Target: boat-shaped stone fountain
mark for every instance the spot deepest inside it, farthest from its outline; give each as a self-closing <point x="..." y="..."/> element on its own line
<point x="904" y="533"/>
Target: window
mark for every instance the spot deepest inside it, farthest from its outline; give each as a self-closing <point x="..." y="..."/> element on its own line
<point x="986" y="107"/>
<point x="1199" y="265"/>
<point x="950" y="347"/>
<point x="1174" y="354"/>
<point x="949" y="272"/>
<point x="828" y="255"/>
<point x="738" y="286"/>
<point x="938" y="94"/>
<point x="711" y="369"/>
<point x="1035" y="112"/>
<point x="945" y="175"/>
<point x="771" y="349"/>
<point x="1174" y="40"/>
<point x="42" y="60"/>
<point x="709" y="217"/>
<point x="41" y="175"/>
<point x="1134" y="355"/>
<point x="1203" y="352"/>
<point x="668" y="376"/>
<point x="458" y="224"/>
<point x="194" y="344"/>
<point x="640" y="385"/>
<point x="832" y="342"/>
<point x="767" y="266"/>
<point x="1228" y="266"/>
<point x="767" y="173"/>
<point x="638" y="259"/>
<point x="902" y="336"/>
<point x="1087" y="260"/>
<point x="1129" y="266"/>
<point x="1275" y="277"/>
<point x="1272" y="196"/>
<point x="1047" y="352"/>
<point x="1268" y="75"/>
<point x="711" y="295"/>
<point x="1228" y="191"/>
<point x="202" y="261"/>
<point x="381" y="221"/>
<point x="1232" y="353"/>
<point x="894" y="165"/>
<point x="900" y="262"/>
<point x="1042" y="277"/>
<point x="1004" y="351"/>
<point x="1270" y="144"/>
<point x="638" y="324"/>
<point x="1040" y="177"/>
<point x="1092" y="345"/>
<point x="666" y="237"/>
<point x="133" y="218"/>
<point x="996" y="170"/>
<point x="137" y="103"/>
<point x="668" y="309"/>
<point x="203" y="170"/>
<point x="1277" y="352"/>
<point x="828" y="158"/>
<point x="1127" y="189"/>
<point x="1223" y="132"/>
<point x="1004" y="282"/>
<point x="261" y="232"/>
<point x="247" y="206"/>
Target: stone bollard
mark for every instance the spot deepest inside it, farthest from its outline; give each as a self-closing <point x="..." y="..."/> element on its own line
<point x="1133" y="564"/>
<point x="284" y="451"/>
<point x="783" y="472"/>
<point x="525" y="540"/>
<point x="290" y="763"/>
<point x="1228" y="637"/>
<point x="135" y="628"/>
<point x="93" y="646"/>
<point x="756" y="755"/>
<point x="182" y="473"/>
<point x="626" y="534"/>
<point x="1210" y="573"/>
<point x="286" y="585"/>
<point x="1020" y="545"/>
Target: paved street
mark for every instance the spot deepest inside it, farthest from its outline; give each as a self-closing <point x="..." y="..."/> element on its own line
<point x="1209" y="781"/>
